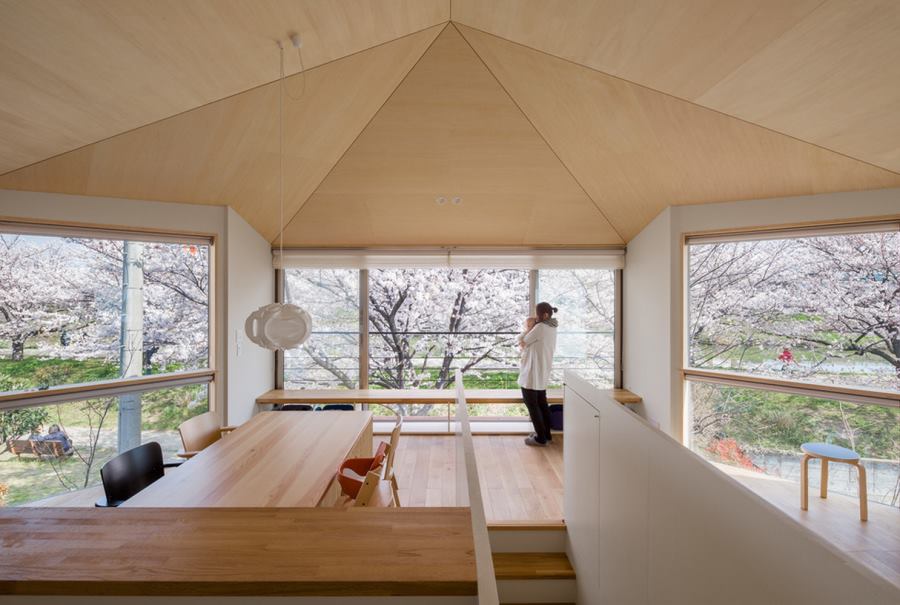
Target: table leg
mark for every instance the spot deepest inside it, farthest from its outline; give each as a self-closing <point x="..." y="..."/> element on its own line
<point x="804" y="482"/>
<point x="863" y="494"/>
<point x="823" y="487"/>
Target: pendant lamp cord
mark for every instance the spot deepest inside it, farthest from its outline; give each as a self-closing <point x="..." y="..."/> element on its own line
<point x="295" y="41"/>
<point x="281" y="152"/>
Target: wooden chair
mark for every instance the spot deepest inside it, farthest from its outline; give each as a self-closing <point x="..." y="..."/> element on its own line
<point x="370" y="490"/>
<point x="199" y="433"/>
<point x="826" y="453"/>
<point x="361" y="481"/>
<point x="388" y="474"/>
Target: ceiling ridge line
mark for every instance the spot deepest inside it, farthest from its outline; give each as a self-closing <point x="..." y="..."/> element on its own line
<point x="368" y="123"/>
<point x="539" y="133"/>
<point x="677" y="98"/>
<point x="225" y="98"/>
<point x="770" y="43"/>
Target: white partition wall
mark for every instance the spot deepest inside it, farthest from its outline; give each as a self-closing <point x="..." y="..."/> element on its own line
<point x="649" y="522"/>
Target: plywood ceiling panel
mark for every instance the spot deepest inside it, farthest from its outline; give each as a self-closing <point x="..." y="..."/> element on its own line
<point x="449" y="130"/>
<point x="834" y="80"/>
<point x="824" y="71"/>
<point x="73" y="73"/>
<point x="227" y="152"/>
<point x="682" y="47"/>
<point x="637" y="151"/>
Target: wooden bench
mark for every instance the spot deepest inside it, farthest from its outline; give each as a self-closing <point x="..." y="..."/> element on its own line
<point x="41" y="449"/>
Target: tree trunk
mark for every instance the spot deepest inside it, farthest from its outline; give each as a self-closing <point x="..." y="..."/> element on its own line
<point x="149" y="352"/>
<point x="18" y="348"/>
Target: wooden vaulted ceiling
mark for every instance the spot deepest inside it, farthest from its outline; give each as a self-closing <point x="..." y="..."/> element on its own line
<point x="556" y="122"/>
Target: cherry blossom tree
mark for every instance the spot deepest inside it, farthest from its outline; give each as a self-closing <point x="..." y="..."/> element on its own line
<point x="37" y="297"/>
<point x="425" y="324"/>
<point x="176" y="289"/>
<point x="818" y="308"/>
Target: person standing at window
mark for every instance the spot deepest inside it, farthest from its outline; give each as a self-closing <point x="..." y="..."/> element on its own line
<point x="538" y="343"/>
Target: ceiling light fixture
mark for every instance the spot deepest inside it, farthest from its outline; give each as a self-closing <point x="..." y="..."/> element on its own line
<point x="280" y="326"/>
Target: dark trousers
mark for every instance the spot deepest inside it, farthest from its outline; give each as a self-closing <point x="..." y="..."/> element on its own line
<point x="539" y="410"/>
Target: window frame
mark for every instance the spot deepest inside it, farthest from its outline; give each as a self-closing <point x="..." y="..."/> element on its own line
<point x="833" y="392"/>
<point x="120" y="386"/>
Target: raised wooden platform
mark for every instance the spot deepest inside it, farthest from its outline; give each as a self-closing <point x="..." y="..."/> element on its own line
<point x="518" y="483"/>
<point x="233" y="552"/>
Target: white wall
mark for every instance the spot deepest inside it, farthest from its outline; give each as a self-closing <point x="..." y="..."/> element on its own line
<point x="238" y="249"/>
<point x="251" y="283"/>
<point x="652" y="288"/>
<point x="648" y="342"/>
<point x="651" y="522"/>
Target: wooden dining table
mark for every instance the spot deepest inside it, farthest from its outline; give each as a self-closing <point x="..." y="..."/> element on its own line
<point x="276" y="459"/>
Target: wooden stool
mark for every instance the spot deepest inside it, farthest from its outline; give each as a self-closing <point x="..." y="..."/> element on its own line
<point x="831" y="453"/>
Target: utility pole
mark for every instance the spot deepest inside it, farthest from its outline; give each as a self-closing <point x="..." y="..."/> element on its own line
<point x="131" y="343"/>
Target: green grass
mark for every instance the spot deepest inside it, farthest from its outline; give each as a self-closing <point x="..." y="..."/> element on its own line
<point x="35" y="372"/>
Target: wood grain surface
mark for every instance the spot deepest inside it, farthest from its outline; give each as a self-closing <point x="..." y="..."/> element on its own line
<point x="234" y="551"/>
<point x="404" y="396"/>
<point x="275" y="459"/>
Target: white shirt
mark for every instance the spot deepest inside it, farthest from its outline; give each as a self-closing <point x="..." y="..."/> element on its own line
<point x="537" y="357"/>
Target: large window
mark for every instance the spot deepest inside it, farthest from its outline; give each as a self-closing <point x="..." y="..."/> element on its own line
<point x="104" y="344"/>
<point x="79" y="310"/>
<point x="817" y="309"/>
<point x="330" y="358"/>
<point x="424" y="323"/>
<point x="794" y="337"/>
<point x="587" y="315"/>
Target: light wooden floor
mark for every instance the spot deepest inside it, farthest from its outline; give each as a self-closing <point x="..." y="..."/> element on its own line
<point x="875" y="543"/>
<point x="518" y="483"/>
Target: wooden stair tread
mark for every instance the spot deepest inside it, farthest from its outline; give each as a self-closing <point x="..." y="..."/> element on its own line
<point x="527" y="526"/>
<point x="532" y="566"/>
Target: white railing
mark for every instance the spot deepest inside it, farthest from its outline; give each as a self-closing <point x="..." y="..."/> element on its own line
<point x="468" y="494"/>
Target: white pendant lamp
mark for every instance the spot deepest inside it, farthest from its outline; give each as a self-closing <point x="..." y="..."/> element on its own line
<point x="280" y="326"/>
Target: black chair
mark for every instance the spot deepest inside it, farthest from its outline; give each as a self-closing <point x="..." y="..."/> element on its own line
<point x="343" y="407"/>
<point x="130" y="472"/>
<point x="294" y="407"/>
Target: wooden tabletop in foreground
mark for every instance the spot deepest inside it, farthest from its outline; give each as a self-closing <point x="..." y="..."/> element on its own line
<point x="225" y="551"/>
<point x="274" y="459"/>
<point x="434" y="396"/>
